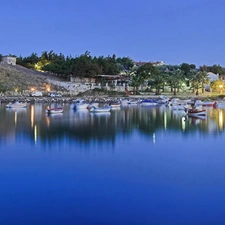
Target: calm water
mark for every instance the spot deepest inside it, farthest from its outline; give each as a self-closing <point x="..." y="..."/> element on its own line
<point x="137" y="165"/>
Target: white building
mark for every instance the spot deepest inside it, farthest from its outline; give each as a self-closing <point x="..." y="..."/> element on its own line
<point x="9" y="59"/>
<point x="212" y="76"/>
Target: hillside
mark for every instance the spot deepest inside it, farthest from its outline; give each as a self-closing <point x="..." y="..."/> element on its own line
<point x="22" y="79"/>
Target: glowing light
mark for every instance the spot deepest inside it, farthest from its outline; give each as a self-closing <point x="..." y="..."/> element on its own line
<point x="183" y="124"/>
<point x="221" y="120"/>
<point x="165" y="120"/>
<point x="15" y="118"/>
<point x="153" y="138"/>
<point x="32" y="116"/>
<point x="221" y="88"/>
<point x="35" y="134"/>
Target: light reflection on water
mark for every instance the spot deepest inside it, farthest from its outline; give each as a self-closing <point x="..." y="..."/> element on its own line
<point x="137" y="165"/>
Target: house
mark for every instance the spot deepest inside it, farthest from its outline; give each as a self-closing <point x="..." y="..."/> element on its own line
<point x="212" y="76"/>
<point x="112" y="80"/>
<point x="9" y="59"/>
<point x="222" y="77"/>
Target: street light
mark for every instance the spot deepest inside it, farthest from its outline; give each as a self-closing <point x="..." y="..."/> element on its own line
<point x="221" y="90"/>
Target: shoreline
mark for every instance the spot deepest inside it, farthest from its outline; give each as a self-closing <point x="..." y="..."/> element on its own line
<point x="70" y="99"/>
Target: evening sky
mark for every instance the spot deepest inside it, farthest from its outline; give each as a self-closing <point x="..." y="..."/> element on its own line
<point x="174" y="31"/>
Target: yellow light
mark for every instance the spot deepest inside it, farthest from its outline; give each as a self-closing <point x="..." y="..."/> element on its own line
<point x="48" y="88"/>
<point x="221" y="86"/>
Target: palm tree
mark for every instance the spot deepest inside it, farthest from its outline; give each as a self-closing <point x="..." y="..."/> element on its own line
<point x="199" y="81"/>
<point x="177" y="78"/>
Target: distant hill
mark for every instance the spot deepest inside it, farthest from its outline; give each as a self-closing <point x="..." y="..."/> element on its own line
<point x="21" y="78"/>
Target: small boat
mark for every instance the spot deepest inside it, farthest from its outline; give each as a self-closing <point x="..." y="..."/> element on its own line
<point x="149" y="102"/>
<point x="100" y="109"/>
<point x="208" y="104"/>
<point x="54" y="110"/>
<point x="163" y="99"/>
<point x="133" y="102"/>
<point x="114" y="104"/>
<point x="80" y="104"/>
<point x="95" y="104"/>
<point x="124" y="102"/>
<point x="220" y="104"/>
<point x="195" y="112"/>
<point x="16" y="105"/>
<point x="179" y="106"/>
<point x="204" y="104"/>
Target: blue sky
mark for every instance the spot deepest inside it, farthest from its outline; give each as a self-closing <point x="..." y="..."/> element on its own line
<point x="174" y="31"/>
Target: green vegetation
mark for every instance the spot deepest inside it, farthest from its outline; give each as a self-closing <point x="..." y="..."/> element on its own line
<point x="173" y="78"/>
<point x="81" y="66"/>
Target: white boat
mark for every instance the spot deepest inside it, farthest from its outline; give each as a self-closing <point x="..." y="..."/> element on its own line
<point x="177" y="101"/>
<point x="100" y="109"/>
<point x="80" y="104"/>
<point x="95" y="104"/>
<point x="163" y="99"/>
<point x="220" y="104"/>
<point x="196" y="112"/>
<point x="202" y="103"/>
<point x="114" y="105"/>
<point x="16" y="105"/>
<point x="133" y="102"/>
<point x="179" y="106"/>
<point x="54" y="110"/>
<point x="124" y="102"/>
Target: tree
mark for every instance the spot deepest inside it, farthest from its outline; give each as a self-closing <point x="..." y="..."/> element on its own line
<point x="177" y="78"/>
<point x="148" y="73"/>
<point x="126" y="62"/>
<point x="199" y="81"/>
<point x="135" y="82"/>
<point x="174" y="77"/>
<point x="218" y="86"/>
<point x="185" y="67"/>
<point x="217" y="69"/>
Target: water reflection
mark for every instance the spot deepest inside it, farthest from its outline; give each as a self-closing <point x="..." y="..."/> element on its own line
<point x="84" y="125"/>
<point x="153" y="165"/>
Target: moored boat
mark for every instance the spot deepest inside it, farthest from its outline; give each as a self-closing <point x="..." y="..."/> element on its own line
<point x="208" y="104"/>
<point x="149" y="102"/>
<point x="114" y="104"/>
<point x="54" y="110"/>
<point x="16" y="105"/>
<point x="203" y="103"/>
<point x="133" y="102"/>
<point x="80" y="104"/>
<point x="220" y="104"/>
<point x="100" y="109"/>
<point x="195" y="112"/>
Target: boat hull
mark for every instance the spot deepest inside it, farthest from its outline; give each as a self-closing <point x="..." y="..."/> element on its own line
<point x="54" y="111"/>
<point x="196" y="113"/>
<point x="97" y="110"/>
<point x="16" y="105"/>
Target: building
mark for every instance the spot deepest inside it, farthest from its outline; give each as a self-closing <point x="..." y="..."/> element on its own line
<point x="222" y="77"/>
<point x="9" y="59"/>
<point x="212" y="76"/>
